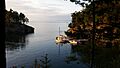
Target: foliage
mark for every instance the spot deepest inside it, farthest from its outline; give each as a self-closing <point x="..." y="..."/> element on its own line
<point x="15" y="17"/>
<point x="45" y="61"/>
<point x="107" y="19"/>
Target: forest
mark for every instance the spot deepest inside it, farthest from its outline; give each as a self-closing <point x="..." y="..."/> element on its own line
<point x="107" y="22"/>
<point x="15" y="17"/>
<point x="15" y="23"/>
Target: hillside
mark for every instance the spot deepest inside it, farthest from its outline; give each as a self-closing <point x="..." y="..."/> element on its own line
<point x="15" y="23"/>
<point x="107" y="21"/>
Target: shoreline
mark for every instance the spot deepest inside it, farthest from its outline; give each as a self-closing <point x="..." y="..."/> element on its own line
<point x="20" y="29"/>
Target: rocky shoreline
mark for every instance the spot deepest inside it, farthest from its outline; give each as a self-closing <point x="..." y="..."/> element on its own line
<point x="20" y="29"/>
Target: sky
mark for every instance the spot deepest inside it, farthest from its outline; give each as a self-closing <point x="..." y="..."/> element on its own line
<point x="44" y="10"/>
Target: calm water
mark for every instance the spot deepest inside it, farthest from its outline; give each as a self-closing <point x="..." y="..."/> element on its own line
<point x="28" y="48"/>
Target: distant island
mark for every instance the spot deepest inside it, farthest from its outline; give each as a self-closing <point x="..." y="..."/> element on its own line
<point x="15" y="23"/>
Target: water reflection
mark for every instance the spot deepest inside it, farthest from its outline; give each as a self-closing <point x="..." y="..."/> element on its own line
<point x="104" y="57"/>
<point x="59" y="47"/>
<point x="74" y="56"/>
<point x="15" y="42"/>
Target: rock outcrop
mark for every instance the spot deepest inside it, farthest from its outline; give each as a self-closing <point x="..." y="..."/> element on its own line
<point x="20" y="29"/>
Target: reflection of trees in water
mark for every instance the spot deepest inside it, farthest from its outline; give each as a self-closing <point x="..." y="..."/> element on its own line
<point x="74" y="56"/>
<point x="105" y="57"/>
<point x="14" y="42"/>
<point x="38" y="63"/>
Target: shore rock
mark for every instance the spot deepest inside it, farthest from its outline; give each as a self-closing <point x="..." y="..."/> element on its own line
<point x="21" y="29"/>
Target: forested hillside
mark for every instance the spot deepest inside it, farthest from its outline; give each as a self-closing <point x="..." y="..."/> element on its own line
<point x="15" y="23"/>
<point x="107" y="18"/>
<point x="107" y="21"/>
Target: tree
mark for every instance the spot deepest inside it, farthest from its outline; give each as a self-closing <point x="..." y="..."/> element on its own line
<point x="8" y="17"/>
<point x="105" y="15"/>
<point x="26" y="20"/>
<point x="14" y="17"/>
<point x="99" y="12"/>
<point x="22" y="18"/>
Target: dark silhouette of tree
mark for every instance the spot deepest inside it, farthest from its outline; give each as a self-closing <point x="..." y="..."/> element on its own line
<point x="105" y="16"/>
<point x="45" y="62"/>
<point x="100" y="15"/>
<point x="22" y="17"/>
<point x="26" y="20"/>
<point x="14" y="17"/>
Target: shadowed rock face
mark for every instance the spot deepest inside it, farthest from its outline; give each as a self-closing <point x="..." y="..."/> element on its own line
<point x="21" y="29"/>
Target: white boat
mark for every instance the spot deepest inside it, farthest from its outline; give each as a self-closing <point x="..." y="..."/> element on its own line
<point x="61" y="39"/>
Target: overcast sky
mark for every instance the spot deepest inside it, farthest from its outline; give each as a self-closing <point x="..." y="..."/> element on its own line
<point x="42" y="10"/>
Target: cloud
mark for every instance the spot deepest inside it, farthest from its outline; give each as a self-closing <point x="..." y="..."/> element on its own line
<point x="43" y="10"/>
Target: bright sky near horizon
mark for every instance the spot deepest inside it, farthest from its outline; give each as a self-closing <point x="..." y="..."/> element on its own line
<point x="37" y="10"/>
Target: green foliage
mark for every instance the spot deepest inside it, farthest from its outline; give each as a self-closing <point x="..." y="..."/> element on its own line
<point x="45" y="62"/>
<point x="14" y="17"/>
<point x="106" y="16"/>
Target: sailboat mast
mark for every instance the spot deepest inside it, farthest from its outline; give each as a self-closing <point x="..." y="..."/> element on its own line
<point x="59" y="30"/>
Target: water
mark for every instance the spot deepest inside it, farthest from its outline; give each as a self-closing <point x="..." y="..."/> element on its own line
<point x="33" y="46"/>
<point x="25" y="49"/>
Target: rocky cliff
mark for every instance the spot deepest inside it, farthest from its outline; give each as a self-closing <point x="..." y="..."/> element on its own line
<point x="20" y="29"/>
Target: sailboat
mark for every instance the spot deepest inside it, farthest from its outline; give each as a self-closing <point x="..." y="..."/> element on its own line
<point x="61" y="38"/>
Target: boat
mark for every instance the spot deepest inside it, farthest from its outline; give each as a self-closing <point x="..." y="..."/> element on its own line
<point x="61" y="38"/>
